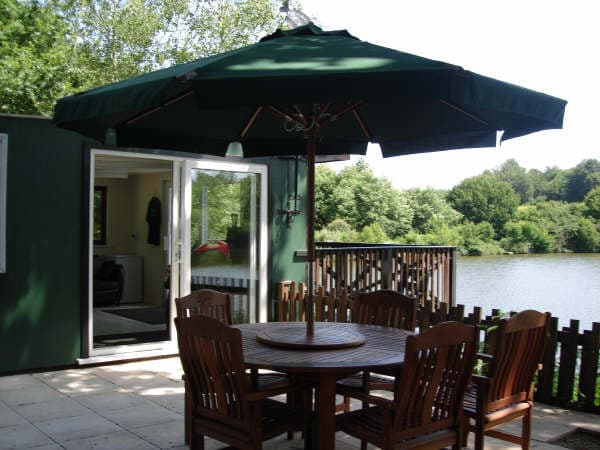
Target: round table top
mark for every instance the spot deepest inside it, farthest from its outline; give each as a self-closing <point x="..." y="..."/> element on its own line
<point x="383" y="347"/>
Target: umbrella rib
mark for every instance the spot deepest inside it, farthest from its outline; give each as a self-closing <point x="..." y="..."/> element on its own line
<point x="362" y="124"/>
<point x="155" y="108"/>
<point x="466" y="113"/>
<point x="250" y="122"/>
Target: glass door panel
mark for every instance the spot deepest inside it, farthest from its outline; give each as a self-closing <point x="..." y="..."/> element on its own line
<point x="226" y="219"/>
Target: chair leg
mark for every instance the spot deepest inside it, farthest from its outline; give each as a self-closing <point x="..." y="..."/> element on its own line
<point x="479" y="433"/>
<point x="187" y="414"/>
<point x="363" y="445"/>
<point x="464" y="431"/>
<point x="526" y="431"/>
<point x="197" y="442"/>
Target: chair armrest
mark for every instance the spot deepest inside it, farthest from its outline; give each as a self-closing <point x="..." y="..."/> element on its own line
<point x="276" y="389"/>
<point x="484" y="356"/>
<point x="360" y="395"/>
<point x="480" y="380"/>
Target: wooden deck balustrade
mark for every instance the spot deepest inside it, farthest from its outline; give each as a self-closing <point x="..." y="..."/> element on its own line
<point x="425" y="272"/>
<point x="570" y="377"/>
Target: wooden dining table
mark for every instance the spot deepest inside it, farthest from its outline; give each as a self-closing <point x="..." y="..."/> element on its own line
<point x="381" y="347"/>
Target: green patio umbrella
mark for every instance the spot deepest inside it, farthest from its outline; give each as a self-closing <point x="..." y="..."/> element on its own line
<point x="304" y="92"/>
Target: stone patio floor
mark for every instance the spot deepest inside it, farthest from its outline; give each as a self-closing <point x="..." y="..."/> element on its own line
<point x="139" y="405"/>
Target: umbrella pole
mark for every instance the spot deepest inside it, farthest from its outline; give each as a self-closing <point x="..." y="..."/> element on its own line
<point x="310" y="228"/>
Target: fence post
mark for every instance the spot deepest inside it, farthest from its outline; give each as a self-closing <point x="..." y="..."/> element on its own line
<point x="546" y="375"/>
<point x="568" y="360"/>
<point x="590" y="349"/>
<point x="452" y="299"/>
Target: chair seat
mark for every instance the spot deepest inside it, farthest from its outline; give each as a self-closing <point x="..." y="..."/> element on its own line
<point x="368" y="424"/>
<point x="514" y="410"/>
<point x="266" y="380"/>
<point x="355" y="382"/>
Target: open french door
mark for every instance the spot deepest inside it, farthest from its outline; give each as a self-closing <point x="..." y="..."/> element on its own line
<point x="223" y="234"/>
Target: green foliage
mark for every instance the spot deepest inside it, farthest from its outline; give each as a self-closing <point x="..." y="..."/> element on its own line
<point x="337" y="231"/>
<point x="430" y="210"/>
<point x="373" y="234"/>
<point x="50" y="49"/>
<point x="485" y="198"/>
<point x="37" y="60"/>
<point x="477" y="239"/>
<point x="517" y="177"/>
<point x="592" y="203"/>
<point x="585" y="237"/>
<point x="559" y="219"/>
<point x="361" y="199"/>
<point x="581" y="179"/>
<point x="524" y="237"/>
<point x="355" y="200"/>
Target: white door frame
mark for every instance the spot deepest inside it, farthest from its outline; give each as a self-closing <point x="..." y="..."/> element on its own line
<point x="180" y="233"/>
<point x="150" y="347"/>
<point x="258" y="265"/>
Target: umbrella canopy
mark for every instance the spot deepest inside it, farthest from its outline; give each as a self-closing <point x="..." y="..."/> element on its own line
<point x="309" y="91"/>
<point x="406" y="103"/>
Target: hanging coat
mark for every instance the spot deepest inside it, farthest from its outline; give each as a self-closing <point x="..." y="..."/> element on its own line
<point x="153" y="217"/>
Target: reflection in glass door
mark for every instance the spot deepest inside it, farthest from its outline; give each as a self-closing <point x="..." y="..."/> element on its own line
<point x="224" y="249"/>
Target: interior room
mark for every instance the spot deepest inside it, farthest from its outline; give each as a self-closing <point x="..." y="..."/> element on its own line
<point x="131" y="226"/>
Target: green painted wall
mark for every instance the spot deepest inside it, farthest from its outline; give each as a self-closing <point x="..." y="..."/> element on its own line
<point x="285" y="240"/>
<point x="39" y="293"/>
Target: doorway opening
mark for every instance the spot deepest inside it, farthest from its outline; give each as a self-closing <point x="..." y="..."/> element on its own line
<point x="132" y="223"/>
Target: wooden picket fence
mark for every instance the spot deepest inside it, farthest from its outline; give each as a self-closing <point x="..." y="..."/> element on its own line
<point x="570" y="377"/>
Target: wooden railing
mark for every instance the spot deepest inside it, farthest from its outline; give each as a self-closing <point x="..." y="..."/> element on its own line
<point x="426" y="272"/>
<point x="570" y="377"/>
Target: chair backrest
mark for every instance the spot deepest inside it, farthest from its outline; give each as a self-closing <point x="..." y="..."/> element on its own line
<point x="212" y="358"/>
<point x="387" y="308"/>
<point x="430" y="388"/>
<point x="205" y="302"/>
<point x="519" y="342"/>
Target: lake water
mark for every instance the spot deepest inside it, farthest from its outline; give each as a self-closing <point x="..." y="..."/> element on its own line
<point x="566" y="285"/>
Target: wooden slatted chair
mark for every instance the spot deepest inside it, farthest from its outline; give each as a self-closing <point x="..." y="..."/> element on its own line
<point x="205" y="302"/>
<point x="426" y="410"/>
<point x="224" y="405"/>
<point x="386" y="308"/>
<point x="505" y="393"/>
<point x="217" y="305"/>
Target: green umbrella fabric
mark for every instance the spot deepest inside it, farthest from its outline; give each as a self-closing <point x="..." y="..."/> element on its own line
<point x="365" y="92"/>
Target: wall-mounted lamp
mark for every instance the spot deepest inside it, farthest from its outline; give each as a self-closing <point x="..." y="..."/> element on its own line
<point x="291" y="213"/>
<point x="235" y="149"/>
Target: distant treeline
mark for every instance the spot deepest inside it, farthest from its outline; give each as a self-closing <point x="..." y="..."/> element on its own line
<point x="506" y="209"/>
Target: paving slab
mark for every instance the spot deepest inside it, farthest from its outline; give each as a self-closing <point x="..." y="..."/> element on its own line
<point x="122" y="440"/>
<point x="51" y="409"/>
<point x="34" y="393"/>
<point x="143" y="415"/>
<point x="23" y="436"/>
<point x="164" y="435"/>
<point x="71" y="428"/>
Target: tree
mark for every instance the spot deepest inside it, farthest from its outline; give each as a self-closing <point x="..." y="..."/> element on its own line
<point x="121" y="39"/>
<point x="430" y="210"/>
<point x="559" y="219"/>
<point x="585" y="237"/>
<point x="518" y="178"/>
<point x="37" y="61"/>
<point x="592" y="203"/>
<point x="373" y="234"/>
<point x="53" y="48"/>
<point x="325" y="201"/>
<point x="523" y="236"/>
<point x="581" y="179"/>
<point x="485" y="198"/>
<point x="362" y="199"/>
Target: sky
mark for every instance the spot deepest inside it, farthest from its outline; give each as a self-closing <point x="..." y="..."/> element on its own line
<point x="548" y="46"/>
